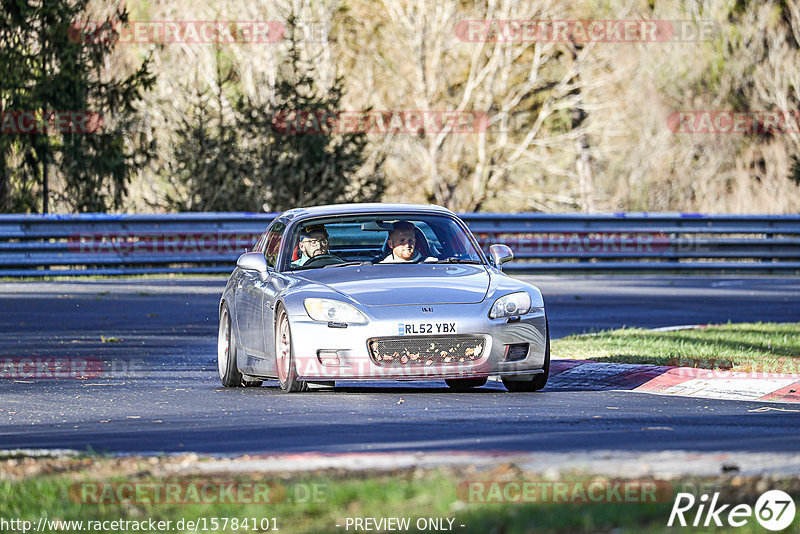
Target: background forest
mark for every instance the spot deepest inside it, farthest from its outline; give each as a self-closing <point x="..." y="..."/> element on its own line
<point x="576" y="127"/>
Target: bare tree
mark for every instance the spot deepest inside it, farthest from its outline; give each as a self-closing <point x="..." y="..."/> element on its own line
<point x="523" y="87"/>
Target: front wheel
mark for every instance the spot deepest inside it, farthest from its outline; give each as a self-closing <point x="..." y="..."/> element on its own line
<point x="284" y="356"/>
<point x="465" y="384"/>
<point x="226" y="352"/>
<point x="539" y="381"/>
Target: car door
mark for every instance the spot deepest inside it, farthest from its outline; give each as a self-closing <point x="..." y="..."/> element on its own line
<point x="244" y="305"/>
<point x="254" y="294"/>
<point x="270" y="290"/>
<point x="248" y="298"/>
<point x="277" y="283"/>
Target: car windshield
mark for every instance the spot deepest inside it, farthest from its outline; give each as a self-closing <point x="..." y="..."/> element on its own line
<point x="378" y="239"/>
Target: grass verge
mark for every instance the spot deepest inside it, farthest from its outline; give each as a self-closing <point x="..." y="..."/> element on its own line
<point x="317" y="503"/>
<point x="747" y="347"/>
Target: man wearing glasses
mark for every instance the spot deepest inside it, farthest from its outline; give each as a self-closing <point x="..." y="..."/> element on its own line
<point x="313" y="242"/>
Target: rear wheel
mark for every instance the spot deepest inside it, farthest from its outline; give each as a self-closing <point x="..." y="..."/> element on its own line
<point x="539" y="381"/>
<point x="284" y="356"/>
<point x="465" y="384"/>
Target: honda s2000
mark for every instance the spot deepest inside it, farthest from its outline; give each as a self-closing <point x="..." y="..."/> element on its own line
<point x="379" y="292"/>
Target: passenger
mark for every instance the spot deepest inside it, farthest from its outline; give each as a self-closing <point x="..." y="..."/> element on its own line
<point x="403" y="243"/>
<point x="313" y="242"/>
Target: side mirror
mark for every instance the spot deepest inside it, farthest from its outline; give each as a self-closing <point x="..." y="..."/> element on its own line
<point x="500" y="255"/>
<point x="252" y="261"/>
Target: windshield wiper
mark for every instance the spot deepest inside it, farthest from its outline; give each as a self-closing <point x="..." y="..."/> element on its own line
<point x="365" y="262"/>
<point x="453" y="259"/>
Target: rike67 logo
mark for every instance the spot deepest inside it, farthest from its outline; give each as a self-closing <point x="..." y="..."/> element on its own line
<point x="774" y="510"/>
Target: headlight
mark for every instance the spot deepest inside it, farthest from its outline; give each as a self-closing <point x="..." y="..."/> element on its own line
<point x="327" y="310"/>
<point x="511" y="305"/>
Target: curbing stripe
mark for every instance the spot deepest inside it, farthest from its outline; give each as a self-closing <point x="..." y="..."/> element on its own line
<point x="681" y="381"/>
<point x="665" y="381"/>
<point x="785" y="394"/>
<point x="733" y="388"/>
<point x="559" y="366"/>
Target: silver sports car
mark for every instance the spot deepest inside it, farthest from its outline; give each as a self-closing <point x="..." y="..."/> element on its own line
<point x="378" y="292"/>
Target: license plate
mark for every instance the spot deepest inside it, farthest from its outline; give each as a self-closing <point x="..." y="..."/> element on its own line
<point x="405" y="329"/>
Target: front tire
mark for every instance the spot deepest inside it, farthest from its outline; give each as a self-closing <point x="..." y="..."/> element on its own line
<point x="284" y="356"/>
<point x="226" y="355"/>
<point x="465" y="384"/>
<point x="539" y="381"/>
<point x="226" y="351"/>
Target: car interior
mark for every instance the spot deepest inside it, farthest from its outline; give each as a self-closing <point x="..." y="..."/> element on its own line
<point x="369" y="241"/>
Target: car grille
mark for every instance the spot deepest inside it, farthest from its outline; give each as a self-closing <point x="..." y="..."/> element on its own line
<point x="426" y="350"/>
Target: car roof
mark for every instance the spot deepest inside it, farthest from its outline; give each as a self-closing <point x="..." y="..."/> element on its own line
<point x="369" y="208"/>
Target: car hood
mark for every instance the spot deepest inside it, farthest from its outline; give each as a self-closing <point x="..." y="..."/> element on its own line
<point x="393" y="285"/>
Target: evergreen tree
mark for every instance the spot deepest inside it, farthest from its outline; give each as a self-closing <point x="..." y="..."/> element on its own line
<point x="208" y="165"/>
<point x="253" y="165"/>
<point x="50" y="65"/>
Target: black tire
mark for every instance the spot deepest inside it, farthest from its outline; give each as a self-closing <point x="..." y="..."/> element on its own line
<point x="465" y="384"/>
<point x="539" y="381"/>
<point x="284" y="355"/>
<point x="226" y="351"/>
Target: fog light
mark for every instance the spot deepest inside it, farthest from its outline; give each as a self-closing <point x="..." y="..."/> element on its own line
<point x="516" y="352"/>
<point x="328" y="357"/>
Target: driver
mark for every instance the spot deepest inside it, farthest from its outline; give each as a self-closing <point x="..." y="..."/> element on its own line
<point x="403" y="243"/>
<point x="313" y="242"/>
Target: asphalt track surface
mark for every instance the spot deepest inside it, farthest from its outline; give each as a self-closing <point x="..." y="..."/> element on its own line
<point x="160" y="391"/>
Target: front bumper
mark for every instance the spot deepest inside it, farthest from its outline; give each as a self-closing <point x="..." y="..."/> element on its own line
<point x="315" y="342"/>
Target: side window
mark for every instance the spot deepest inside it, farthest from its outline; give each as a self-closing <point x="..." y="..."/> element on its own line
<point x="430" y="235"/>
<point x="259" y="246"/>
<point x="273" y="243"/>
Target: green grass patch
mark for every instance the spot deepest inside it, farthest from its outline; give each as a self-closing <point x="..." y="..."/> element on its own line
<point x="317" y="503"/>
<point x="754" y="347"/>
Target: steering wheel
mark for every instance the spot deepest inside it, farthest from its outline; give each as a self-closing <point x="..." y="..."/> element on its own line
<point x="329" y="259"/>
